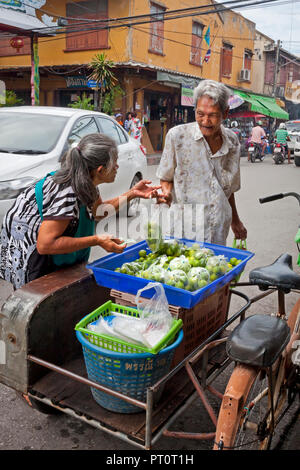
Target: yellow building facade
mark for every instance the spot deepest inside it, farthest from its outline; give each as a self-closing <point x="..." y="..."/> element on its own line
<point x="157" y="63"/>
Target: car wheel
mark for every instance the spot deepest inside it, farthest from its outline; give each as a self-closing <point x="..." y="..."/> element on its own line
<point x="297" y="160"/>
<point x="133" y="205"/>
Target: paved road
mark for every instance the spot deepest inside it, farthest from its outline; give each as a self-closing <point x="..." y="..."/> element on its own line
<point x="271" y="229"/>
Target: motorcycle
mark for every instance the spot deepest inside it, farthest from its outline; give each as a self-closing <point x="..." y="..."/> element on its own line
<point x="279" y="153"/>
<point x="255" y="152"/>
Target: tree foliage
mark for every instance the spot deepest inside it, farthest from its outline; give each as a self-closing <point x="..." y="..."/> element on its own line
<point x="10" y="99"/>
<point x="101" y="72"/>
<point x="82" y="103"/>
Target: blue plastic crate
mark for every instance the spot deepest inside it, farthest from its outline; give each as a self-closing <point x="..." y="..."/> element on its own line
<point x="103" y="270"/>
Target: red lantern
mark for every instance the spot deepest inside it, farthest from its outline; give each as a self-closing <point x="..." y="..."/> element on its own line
<point x="17" y="43"/>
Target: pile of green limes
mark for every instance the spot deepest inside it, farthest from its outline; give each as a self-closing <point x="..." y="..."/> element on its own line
<point x="179" y="265"/>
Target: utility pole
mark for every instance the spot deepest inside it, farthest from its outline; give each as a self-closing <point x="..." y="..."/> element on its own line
<point x="276" y="68"/>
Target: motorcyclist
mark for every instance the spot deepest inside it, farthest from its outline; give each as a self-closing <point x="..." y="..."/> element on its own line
<point x="236" y="130"/>
<point x="282" y="136"/>
<point x="258" y="136"/>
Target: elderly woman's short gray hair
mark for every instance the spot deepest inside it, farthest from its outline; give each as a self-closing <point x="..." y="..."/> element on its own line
<point x="217" y="91"/>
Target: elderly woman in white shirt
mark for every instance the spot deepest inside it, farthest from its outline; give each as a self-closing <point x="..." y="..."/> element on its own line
<point x="200" y="166"/>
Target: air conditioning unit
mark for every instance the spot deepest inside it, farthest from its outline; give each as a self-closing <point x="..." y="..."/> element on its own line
<point x="244" y="75"/>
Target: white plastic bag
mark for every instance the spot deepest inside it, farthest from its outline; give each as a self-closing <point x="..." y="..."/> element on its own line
<point x="155" y="312"/>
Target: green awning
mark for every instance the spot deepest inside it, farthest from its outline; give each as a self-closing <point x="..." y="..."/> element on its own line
<point x="275" y="110"/>
<point x="255" y="105"/>
<point x="263" y="105"/>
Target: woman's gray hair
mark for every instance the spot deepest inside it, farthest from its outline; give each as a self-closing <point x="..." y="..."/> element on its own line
<point x="93" y="150"/>
<point x="217" y="91"/>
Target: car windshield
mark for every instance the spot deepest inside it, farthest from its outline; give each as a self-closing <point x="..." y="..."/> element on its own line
<point x="29" y="133"/>
<point x="293" y="126"/>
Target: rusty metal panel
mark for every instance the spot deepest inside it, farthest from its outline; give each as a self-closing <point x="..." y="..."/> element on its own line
<point x="40" y="318"/>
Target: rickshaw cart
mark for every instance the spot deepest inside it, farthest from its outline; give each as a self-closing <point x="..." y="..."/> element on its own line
<point x="44" y="361"/>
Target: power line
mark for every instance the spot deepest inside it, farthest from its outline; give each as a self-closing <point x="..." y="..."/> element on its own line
<point x="88" y="30"/>
<point x="153" y="16"/>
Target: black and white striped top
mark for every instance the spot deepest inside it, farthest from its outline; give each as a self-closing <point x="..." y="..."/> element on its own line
<point x="22" y="222"/>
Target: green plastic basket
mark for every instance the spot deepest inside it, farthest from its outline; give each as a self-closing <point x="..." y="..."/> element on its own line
<point x="116" y="344"/>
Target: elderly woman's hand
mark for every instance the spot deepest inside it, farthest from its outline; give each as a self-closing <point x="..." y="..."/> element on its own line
<point x="143" y="190"/>
<point x="111" y="244"/>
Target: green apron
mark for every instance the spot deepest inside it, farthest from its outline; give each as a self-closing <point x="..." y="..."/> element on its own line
<point x="86" y="228"/>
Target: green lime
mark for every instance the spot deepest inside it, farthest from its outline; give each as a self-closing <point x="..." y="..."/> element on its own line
<point x="142" y="253"/>
<point x="179" y="285"/>
<point x="202" y="283"/>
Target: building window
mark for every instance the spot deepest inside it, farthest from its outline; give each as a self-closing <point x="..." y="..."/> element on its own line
<point x="197" y="30"/>
<point x="87" y="39"/>
<point x="247" y="60"/>
<point x="157" y="29"/>
<point x="226" y="60"/>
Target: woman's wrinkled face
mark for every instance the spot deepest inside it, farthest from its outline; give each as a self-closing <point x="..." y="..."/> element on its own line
<point x="109" y="174"/>
<point x="208" y="116"/>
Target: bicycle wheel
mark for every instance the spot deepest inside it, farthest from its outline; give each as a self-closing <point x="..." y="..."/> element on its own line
<point x="243" y="412"/>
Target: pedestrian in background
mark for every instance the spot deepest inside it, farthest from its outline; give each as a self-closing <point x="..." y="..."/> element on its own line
<point x="119" y="119"/>
<point x="127" y="121"/>
<point x="135" y="127"/>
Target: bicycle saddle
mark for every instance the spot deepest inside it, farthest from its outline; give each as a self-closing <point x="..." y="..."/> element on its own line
<point x="258" y="340"/>
<point x="279" y="274"/>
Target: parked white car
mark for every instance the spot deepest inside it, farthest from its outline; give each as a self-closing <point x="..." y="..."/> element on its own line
<point x="297" y="152"/>
<point x="293" y="128"/>
<point x="34" y="138"/>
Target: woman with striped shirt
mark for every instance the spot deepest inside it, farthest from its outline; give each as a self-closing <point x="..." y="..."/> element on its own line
<point x="52" y="223"/>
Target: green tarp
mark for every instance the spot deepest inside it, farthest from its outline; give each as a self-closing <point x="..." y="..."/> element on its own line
<point x="263" y="105"/>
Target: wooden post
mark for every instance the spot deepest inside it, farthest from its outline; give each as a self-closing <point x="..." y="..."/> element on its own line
<point x="35" y="76"/>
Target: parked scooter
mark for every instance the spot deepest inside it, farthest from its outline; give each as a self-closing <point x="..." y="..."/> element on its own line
<point x="279" y="153"/>
<point x="255" y="152"/>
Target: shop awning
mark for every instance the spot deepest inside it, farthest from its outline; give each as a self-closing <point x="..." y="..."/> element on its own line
<point x="275" y="110"/>
<point x="16" y="21"/>
<point x="263" y="104"/>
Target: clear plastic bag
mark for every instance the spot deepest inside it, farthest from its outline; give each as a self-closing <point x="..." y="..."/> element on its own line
<point x="155" y="312"/>
<point x="154" y="226"/>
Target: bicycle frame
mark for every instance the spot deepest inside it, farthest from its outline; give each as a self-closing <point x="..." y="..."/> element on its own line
<point x="232" y="414"/>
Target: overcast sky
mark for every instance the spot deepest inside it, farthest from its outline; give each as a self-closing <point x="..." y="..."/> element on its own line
<point x="278" y="20"/>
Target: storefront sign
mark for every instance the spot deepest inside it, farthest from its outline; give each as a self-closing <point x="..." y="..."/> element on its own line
<point x="186" y="96"/>
<point x="76" y="81"/>
<point x="292" y="91"/>
<point x="91" y="84"/>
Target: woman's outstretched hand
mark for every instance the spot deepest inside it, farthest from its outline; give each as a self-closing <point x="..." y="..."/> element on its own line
<point x="144" y="190"/>
<point x="111" y="244"/>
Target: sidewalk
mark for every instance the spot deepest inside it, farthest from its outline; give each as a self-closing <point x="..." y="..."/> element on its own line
<point x="153" y="158"/>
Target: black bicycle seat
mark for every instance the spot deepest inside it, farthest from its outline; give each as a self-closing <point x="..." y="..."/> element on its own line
<point x="258" y="340"/>
<point x="279" y="274"/>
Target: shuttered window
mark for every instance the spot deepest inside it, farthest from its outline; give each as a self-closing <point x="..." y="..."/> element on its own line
<point x="197" y="30"/>
<point x="226" y="60"/>
<point x="157" y="29"/>
<point x="247" y="60"/>
<point x="7" y="50"/>
<point x="88" y="38"/>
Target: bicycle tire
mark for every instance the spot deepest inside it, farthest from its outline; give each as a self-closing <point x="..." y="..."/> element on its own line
<point x="234" y="412"/>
